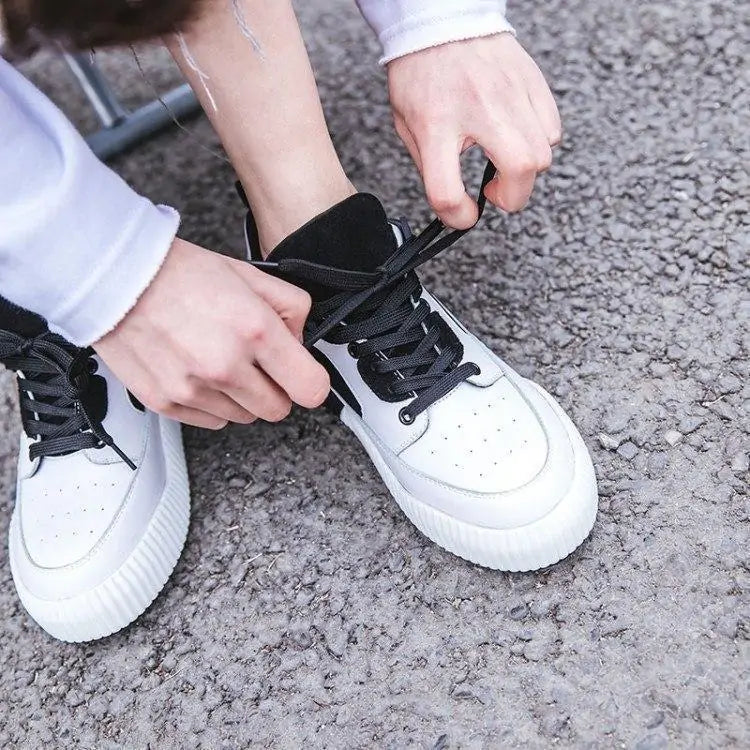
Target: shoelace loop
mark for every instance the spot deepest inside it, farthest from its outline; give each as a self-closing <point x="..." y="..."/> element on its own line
<point x="54" y="380"/>
<point x="378" y="314"/>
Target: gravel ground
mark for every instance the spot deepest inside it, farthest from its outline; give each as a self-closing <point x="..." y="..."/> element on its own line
<point x="306" y="610"/>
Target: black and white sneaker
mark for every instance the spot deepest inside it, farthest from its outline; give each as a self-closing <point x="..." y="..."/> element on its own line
<point x="102" y="500"/>
<point x="484" y="462"/>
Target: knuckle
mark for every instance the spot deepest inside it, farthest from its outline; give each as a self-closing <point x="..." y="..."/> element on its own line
<point x="303" y="303"/>
<point x="255" y="332"/>
<point x="218" y="373"/>
<point x="160" y="403"/>
<point x="512" y="206"/>
<point x="442" y="201"/>
<point x="544" y="158"/>
<point x="523" y="164"/>
<point x="185" y="392"/>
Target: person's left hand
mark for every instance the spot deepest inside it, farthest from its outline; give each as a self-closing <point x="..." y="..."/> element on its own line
<point x="486" y="91"/>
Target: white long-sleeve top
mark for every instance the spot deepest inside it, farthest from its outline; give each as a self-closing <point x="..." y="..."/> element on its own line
<point x="77" y="245"/>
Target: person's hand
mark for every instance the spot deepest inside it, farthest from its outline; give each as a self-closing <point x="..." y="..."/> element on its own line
<point x="213" y="340"/>
<point x="485" y="91"/>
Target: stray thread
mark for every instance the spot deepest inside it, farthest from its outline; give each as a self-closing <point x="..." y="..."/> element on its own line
<point x="172" y="115"/>
<point x="239" y="16"/>
<point x="202" y="77"/>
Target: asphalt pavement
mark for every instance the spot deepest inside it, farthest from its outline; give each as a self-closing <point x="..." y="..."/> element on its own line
<point x="306" y="611"/>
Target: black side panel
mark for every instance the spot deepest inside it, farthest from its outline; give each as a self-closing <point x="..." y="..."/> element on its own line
<point x="136" y="403"/>
<point x="333" y="404"/>
<point x="337" y="383"/>
<point x="20" y="321"/>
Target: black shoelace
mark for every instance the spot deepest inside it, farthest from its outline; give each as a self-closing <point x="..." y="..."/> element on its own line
<point x="377" y="314"/>
<point x="54" y="381"/>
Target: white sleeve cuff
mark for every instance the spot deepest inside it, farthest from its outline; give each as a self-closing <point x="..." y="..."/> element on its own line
<point x="122" y="272"/>
<point x="407" y="26"/>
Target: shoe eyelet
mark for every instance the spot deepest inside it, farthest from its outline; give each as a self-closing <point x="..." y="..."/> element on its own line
<point x="353" y="349"/>
<point x="406" y="417"/>
<point x="93" y="366"/>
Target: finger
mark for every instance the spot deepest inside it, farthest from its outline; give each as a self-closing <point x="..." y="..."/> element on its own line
<point x="291" y="303"/>
<point x="291" y="366"/>
<point x="519" y="156"/>
<point x="544" y="105"/>
<point x="411" y="145"/>
<point x="441" y="172"/>
<point x="260" y="395"/>
<point x="150" y="394"/>
<point x="194" y="417"/>
<point x="221" y="405"/>
<point x="527" y="124"/>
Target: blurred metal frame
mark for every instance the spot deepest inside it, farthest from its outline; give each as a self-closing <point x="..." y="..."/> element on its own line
<point x="120" y="128"/>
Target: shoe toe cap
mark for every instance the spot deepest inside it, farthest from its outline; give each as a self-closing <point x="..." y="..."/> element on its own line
<point x="482" y="440"/>
<point x="64" y="515"/>
<point x="514" y="458"/>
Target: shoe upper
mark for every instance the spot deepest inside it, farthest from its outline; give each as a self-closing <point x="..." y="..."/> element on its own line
<point x="81" y="503"/>
<point x="456" y="426"/>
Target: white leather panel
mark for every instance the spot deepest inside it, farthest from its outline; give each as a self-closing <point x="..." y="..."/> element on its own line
<point x="511" y="508"/>
<point x="80" y="521"/>
<point x="481" y="439"/>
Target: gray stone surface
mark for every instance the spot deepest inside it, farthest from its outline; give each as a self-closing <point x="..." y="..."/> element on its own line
<point x="306" y="610"/>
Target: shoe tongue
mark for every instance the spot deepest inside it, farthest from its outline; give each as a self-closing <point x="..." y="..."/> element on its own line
<point x="354" y="235"/>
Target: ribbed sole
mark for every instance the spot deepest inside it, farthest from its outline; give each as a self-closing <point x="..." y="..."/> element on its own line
<point x="128" y="592"/>
<point x="529" y="547"/>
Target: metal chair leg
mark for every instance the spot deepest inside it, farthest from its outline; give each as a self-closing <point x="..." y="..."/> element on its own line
<point x="122" y="129"/>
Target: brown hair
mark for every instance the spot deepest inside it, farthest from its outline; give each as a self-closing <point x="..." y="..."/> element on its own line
<point x="83" y="24"/>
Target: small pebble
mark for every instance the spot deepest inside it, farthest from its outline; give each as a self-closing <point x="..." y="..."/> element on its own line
<point x="628" y="451"/>
<point x="608" y="442"/>
<point x="673" y="437"/>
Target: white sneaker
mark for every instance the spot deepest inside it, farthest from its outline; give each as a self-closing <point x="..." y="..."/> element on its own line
<point x="99" y="521"/>
<point x="484" y="462"/>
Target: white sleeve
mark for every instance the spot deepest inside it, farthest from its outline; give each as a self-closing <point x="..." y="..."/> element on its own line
<point x="405" y="26"/>
<point x="77" y="245"/>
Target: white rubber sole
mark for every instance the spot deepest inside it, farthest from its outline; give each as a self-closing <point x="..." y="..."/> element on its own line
<point x="530" y="547"/>
<point x="128" y="592"/>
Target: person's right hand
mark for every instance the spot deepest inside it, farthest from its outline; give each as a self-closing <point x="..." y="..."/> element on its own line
<point x="213" y="340"/>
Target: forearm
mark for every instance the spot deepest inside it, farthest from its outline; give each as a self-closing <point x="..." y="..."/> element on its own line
<point x="77" y="245"/>
<point x="405" y="26"/>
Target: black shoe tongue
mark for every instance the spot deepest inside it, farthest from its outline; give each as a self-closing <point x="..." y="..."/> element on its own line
<point x="353" y="235"/>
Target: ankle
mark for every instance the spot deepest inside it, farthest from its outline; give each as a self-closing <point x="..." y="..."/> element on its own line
<point x="280" y="212"/>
